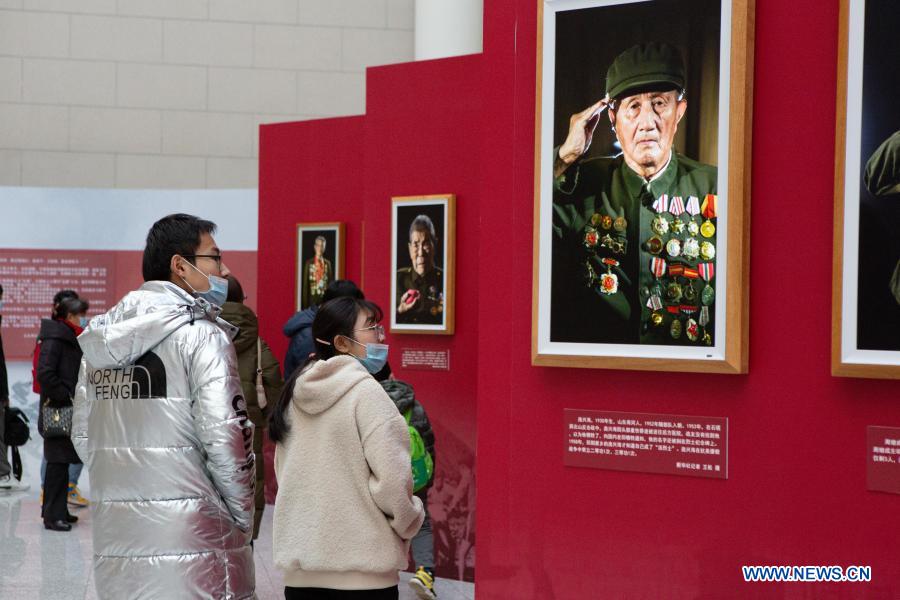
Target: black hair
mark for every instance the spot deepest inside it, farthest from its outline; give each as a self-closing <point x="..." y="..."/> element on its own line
<point x="341" y="288"/>
<point x="335" y="317"/>
<point x="59" y="297"/>
<point x="235" y="291"/>
<point x="71" y="306"/>
<point x="171" y="235"/>
<point x="424" y="223"/>
<point x="1" y="289"/>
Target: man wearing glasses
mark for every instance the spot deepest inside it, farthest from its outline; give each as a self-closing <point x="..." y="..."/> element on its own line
<point x="162" y="425"/>
<point x="421" y="286"/>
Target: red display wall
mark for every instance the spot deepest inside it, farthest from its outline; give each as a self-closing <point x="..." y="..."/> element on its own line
<point x="796" y="492"/>
<point x="419" y="136"/>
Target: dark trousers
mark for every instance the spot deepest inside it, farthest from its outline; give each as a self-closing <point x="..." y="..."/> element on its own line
<point x="306" y="593"/>
<point x="56" y="488"/>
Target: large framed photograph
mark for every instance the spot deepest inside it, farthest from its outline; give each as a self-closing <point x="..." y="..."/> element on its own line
<point x="866" y="294"/>
<point x="320" y="260"/>
<point x="422" y="264"/>
<point x="642" y="184"/>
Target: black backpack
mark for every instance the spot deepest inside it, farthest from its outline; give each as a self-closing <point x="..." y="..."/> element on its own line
<point x="17" y="430"/>
<point x="17" y="433"/>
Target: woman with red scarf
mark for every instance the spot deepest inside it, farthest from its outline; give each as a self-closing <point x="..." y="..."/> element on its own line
<point x="57" y="372"/>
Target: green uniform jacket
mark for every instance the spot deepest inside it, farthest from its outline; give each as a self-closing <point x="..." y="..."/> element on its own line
<point x="430" y="308"/>
<point x="588" y="305"/>
<point x="314" y="291"/>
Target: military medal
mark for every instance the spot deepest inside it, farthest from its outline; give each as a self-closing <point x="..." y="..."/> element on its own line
<point x="657" y="318"/>
<point x="690" y="294"/>
<point x="606" y="222"/>
<point x="620" y="224"/>
<point x="692" y="330"/>
<point x="609" y="282"/>
<point x="707" y="250"/>
<point x="675" y="329"/>
<point x="673" y="292"/>
<point x="660" y="225"/>
<point x="654" y="245"/>
<point x="661" y="204"/>
<point x="591" y="238"/>
<point x="691" y="248"/>
<point x="616" y="246"/>
<point x="707" y="272"/>
<point x="693" y="228"/>
<point x="708" y="209"/>
<point x="673" y="247"/>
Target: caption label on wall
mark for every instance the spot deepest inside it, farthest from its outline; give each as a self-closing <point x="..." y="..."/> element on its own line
<point x="30" y="279"/>
<point x="425" y="360"/>
<point x="647" y="443"/>
<point x="883" y="459"/>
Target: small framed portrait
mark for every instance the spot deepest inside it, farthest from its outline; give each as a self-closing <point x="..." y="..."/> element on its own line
<point x="422" y="264"/>
<point x="320" y="260"/>
<point x="866" y="295"/>
<point x="642" y="184"/>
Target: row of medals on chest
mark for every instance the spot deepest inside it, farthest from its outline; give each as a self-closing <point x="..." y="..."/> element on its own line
<point x="690" y="248"/>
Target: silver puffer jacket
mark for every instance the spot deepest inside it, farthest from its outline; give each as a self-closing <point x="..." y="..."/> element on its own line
<point x="163" y="429"/>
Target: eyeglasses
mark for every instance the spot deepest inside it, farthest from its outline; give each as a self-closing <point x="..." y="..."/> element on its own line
<point x="379" y="330"/>
<point x="215" y="257"/>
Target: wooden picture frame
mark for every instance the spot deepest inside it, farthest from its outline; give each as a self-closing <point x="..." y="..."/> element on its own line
<point x="428" y="297"/>
<point x="865" y="336"/>
<point x="307" y="294"/>
<point x="564" y="27"/>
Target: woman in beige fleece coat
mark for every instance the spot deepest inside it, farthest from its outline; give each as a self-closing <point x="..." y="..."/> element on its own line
<point x="345" y="511"/>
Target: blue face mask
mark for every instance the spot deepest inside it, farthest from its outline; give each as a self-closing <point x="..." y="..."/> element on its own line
<point x="376" y="356"/>
<point x="83" y="321"/>
<point x="218" y="288"/>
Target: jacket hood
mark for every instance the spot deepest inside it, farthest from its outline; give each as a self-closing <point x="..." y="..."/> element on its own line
<point x="52" y="328"/>
<point x="242" y="317"/>
<point x="141" y="320"/>
<point x="326" y="381"/>
<point x="401" y="393"/>
<point x="302" y="319"/>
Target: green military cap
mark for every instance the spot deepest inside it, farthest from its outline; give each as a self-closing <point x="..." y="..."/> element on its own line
<point x="647" y="64"/>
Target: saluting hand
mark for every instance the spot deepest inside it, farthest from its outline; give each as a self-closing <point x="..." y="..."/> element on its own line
<point x="581" y="132"/>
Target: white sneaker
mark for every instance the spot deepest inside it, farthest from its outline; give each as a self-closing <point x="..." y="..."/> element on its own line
<point x="8" y="484"/>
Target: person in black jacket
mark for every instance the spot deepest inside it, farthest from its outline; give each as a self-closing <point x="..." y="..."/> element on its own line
<point x="5" y="469"/>
<point x="57" y="372"/>
<point x="299" y="327"/>
<point x="403" y="395"/>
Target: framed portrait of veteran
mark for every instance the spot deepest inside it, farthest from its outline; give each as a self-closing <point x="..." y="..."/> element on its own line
<point x="422" y="264"/>
<point x="866" y="294"/>
<point x="320" y="260"/>
<point x="642" y="184"/>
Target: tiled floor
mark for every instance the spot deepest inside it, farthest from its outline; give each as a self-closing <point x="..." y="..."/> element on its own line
<point x="36" y="563"/>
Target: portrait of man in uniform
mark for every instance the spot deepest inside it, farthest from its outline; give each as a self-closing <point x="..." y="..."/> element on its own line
<point x="320" y="254"/>
<point x="866" y="329"/>
<point x="630" y="210"/>
<point x="419" y="290"/>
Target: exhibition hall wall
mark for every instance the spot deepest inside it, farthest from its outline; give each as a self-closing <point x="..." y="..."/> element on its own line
<point x="796" y="491"/>
<point x="417" y="138"/>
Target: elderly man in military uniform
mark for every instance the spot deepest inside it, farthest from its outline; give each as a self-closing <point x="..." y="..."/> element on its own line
<point x="318" y="273"/>
<point x="882" y="180"/>
<point x="421" y="286"/>
<point x="635" y="234"/>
